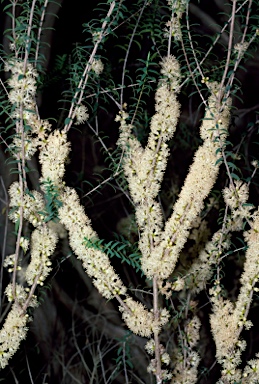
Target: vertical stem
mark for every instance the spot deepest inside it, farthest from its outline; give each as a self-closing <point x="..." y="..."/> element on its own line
<point x="230" y="43"/>
<point x="5" y="201"/>
<point x="28" y="41"/>
<point x="22" y="183"/>
<point x="40" y="30"/>
<point x="127" y="53"/>
<point x="170" y="35"/>
<point x="13" y="26"/>
<point x="158" y="373"/>
<point x="17" y="249"/>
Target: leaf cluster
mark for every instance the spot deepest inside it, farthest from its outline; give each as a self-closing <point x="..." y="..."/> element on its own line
<point x="123" y="250"/>
<point x="51" y="196"/>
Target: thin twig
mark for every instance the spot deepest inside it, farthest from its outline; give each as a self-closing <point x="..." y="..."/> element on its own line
<point x="40" y="30"/>
<point x="158" y="372"/>
<point x="77" y="98"/>
<point x="128" y="50"/>
<point x="26" y="56"/>
<point x="4" y="239"/>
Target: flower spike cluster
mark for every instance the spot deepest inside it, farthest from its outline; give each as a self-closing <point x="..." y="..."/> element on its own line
<point x="53" y="156"/>
<point x="229" y="319"/>
<point x="96" y="262"/>
<point x="44" y="241"/>
<point x="145" y="168"/>
<point x="98" y="267"/>
<point x="198" y="183"/>
<point x="12" y="333"/>
<point x="22" y="95"/>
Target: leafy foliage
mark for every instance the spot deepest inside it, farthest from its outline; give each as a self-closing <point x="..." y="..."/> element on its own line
<point x="123" y="250"/>
<point x="51" y="195"/>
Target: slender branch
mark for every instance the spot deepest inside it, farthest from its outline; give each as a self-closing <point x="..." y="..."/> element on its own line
<point x="4" y="239"/>
<point x="128" y="50"/>
<point x="191" y="43"/>
<point x="192" y="73"/>
<point x="27" y="48"/>
<point x="158" y="372"/>
<point x="216" y="39"/>
<point x="14" y="2"/>
<point x="31" y="293"/>
<point x="77" y="98"/>
<point x="230" y="43"/>
<point x="40" y="29"/>
<point x="17" y="249"/>
<point x="103" y="182"/>
<point x="117" y="172"/>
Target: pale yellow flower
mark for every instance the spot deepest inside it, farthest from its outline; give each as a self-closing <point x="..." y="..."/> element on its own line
<point x="81" y="114"/>
<point x="14" y="330"/>
<point x="97" y="66"/>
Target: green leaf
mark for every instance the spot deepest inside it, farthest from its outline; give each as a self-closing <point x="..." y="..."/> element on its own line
<point x="67" y="120"/>
<point x="234" y="176"/>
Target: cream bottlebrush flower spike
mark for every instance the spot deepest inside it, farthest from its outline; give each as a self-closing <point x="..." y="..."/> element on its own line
<point x="98" y="267"/>
<point x="198" y="183"/>
<point x="12" y="333"/>
<point x="32" y="205"/>
<point x="22" y="96"/>
<point x="96" y="262"/>
<point x="14" y="330"/>
<point x="144" y="168"/>
<point x="72" y="216"/>
<point x="229" y="319"/>
<point x="150" y="173"/>
<point x="53" y="156"/>
<point x="235" y="196"/>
